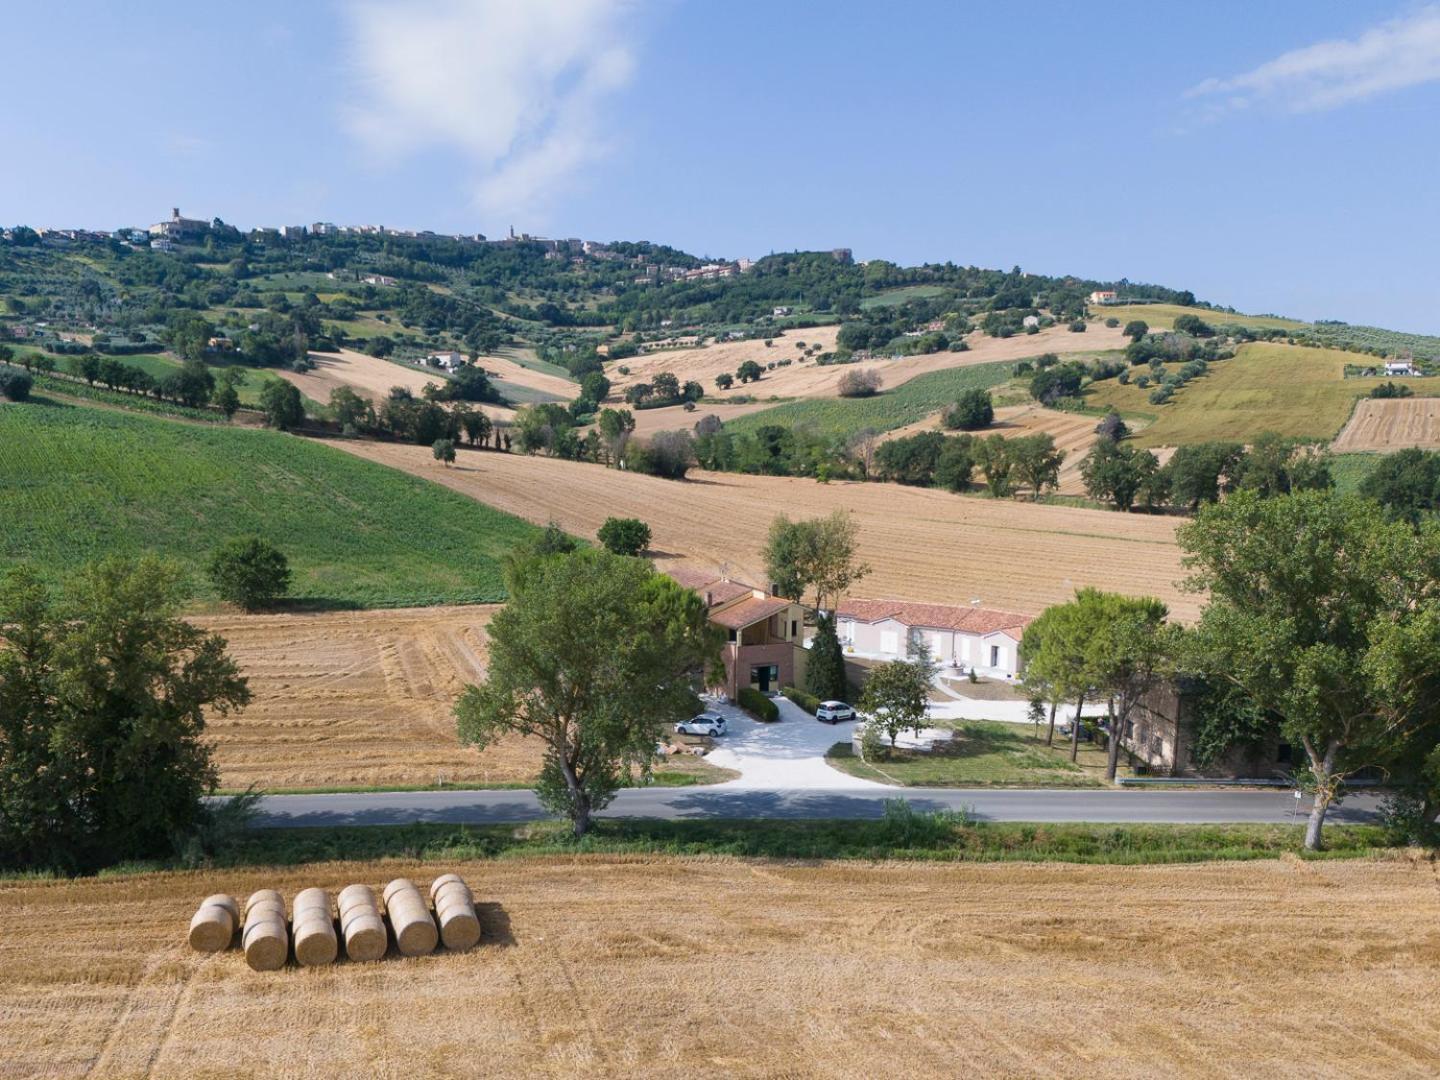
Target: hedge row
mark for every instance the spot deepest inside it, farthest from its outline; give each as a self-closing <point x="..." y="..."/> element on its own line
<point x="808" y="702"/>
<point x="758" y="705"/>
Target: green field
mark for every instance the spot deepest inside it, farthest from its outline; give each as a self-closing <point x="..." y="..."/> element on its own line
<point x="1162" y="316"/>
<point x="901" y="296"/>
<point x="526" y="358"/>
<point x="1289" y="389"/>
<point x="1350" y="470"/>
<point x="907" y="403"/>
<point x="78" y="483"/>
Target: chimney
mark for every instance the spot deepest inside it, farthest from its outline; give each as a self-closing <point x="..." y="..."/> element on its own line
<point x="709" y="598"/>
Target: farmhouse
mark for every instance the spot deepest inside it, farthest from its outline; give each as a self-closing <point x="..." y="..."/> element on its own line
<point x="1401" y="367"/>
<point x="966" y="638"/>
<point x="1103" y="296"/>
<point x="450" y="361"/>
<point x="764" y="633"/>
<point x="1162" y="731"/>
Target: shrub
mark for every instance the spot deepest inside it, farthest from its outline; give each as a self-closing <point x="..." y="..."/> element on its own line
<point x="251" y="573"/>
<point x="624" y="536"/>
<point x="1161" y="394"/>
<point x="808" y="702"/>
<point x="15" y="385"/>
<point x="758" y="705"/>
<point x="974" y="409"/>
<point x="1123" y="378"/>
<point x="1112" y="322"/>
<point x="1078" y="326"/>
<point x="857" y="384"/>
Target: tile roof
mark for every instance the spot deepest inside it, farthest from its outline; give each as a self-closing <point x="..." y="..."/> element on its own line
<point x="718" y="590"/>
<point x="971" y="620"/>
<point x="747" y="612"/>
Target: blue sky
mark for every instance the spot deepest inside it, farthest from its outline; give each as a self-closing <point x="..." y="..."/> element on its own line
<point x="1277" y="156"/>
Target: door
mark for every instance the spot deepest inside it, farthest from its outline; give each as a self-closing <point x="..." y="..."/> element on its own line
<point x="889" y="642"/>
<point x="763" y="676"/>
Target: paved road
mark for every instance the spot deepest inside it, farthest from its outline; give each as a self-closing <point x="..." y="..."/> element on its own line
<point x="1109" y="806"/>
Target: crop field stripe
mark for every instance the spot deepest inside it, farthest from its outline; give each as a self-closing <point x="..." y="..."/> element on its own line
<point x="909" y="402"/>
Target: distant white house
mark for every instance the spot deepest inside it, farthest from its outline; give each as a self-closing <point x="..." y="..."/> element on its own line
<point x="162" y="243"/>
<point x="781" y="312"/>
<point x="965" y="638"/>
<point x="1031" y="320"/>
<point x="1401" y="367"/>
<point x="449" y="361"/>
<point x="1103" y="296"/>
<point x="377" y="279"/>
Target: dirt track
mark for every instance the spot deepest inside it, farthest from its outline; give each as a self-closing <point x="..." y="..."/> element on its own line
<point x="924" y="545"/>
<point x="622" y="967"/>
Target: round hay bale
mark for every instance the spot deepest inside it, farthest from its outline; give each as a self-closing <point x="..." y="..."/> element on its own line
<point x="444" y="879"/>
<point x="212" y="928"/>
<point x="453" y="890"/>
<point x="266" y="945"/>
<point x="261" y="895"/>
<point x="352" y="895"/>
<point x="410" y="920"/>
<point x="365" y="937"/>
<point x="460" y="928"/>
<point x="307" y="899"/>
<point x="315" y="941"/>
<point x="395" y="886"/>
<point x="265" y="909"/>
<point x="226" y="901"/>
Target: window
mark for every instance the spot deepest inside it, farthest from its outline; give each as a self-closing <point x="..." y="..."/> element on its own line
<point x="994" y="655"/>
<point x="732" y="635"/>
<point x="794" y="629"/>
<point x="1284" y="754"/>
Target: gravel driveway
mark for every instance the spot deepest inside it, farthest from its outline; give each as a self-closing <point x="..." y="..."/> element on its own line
<point x="788" y="754"/>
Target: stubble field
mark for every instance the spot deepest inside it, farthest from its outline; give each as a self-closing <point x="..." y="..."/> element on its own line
<point x="924" y="545"/>
<point x="1391" y="424"/>
<point x="357" y="699"/>
<point x="655" y="966"/>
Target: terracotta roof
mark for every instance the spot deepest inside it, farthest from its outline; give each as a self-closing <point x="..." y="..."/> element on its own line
<point x="748" y="612"/>
<point x="970" y="620"/>
<point x="719" y="590"/>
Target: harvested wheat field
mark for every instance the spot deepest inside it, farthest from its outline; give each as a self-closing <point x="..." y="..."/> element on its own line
<point x="357" y="699"/>
<point x="924" y="545"/>
<point x="809" y="380"/>
<point x="1391" y="424"/>
<point x="597" y="966"/>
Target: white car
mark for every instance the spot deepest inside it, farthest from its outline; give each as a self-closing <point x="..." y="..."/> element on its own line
<point x="834" y="712"/>
<point x="704" y="724"/>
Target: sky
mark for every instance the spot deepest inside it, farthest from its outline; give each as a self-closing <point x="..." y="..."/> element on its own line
<point x="1277" y="157"/>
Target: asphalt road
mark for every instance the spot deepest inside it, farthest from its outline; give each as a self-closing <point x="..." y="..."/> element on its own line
<point x="1109" y="806"/>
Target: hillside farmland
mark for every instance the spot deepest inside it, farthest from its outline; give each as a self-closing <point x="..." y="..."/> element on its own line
<point x="1163" y="316"/>
<point x="80" y="483"/>
<point x="925" y="545"/>
<point x="599" y="966"/>
<point x="1289" y="389"/>
<point x="1391" y="424"/>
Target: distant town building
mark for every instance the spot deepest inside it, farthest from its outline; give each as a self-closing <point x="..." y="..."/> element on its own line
<point x="292" y="232"/>
<point x="178" y="227"/>
<point x="842" y="255"/>
<point x="324" y="228"/>
<point x="161" y="243"/>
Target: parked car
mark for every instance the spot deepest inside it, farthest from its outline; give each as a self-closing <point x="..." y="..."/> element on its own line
<point x="834" y="712"/>
<point x="704" y="724"/>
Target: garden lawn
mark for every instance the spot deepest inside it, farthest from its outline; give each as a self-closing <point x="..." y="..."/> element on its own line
<point x="79" y="483"/>
<point x="910" y="401"/>
<point x="1289" y="389"/>
<point x="982" y="753"/>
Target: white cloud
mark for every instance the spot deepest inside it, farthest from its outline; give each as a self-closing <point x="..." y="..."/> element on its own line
<point x="517" y="86"/>
<point x="1396" y="54"/>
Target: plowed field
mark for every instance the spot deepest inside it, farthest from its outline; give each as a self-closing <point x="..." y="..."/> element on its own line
<point x="1391" y="424"/>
